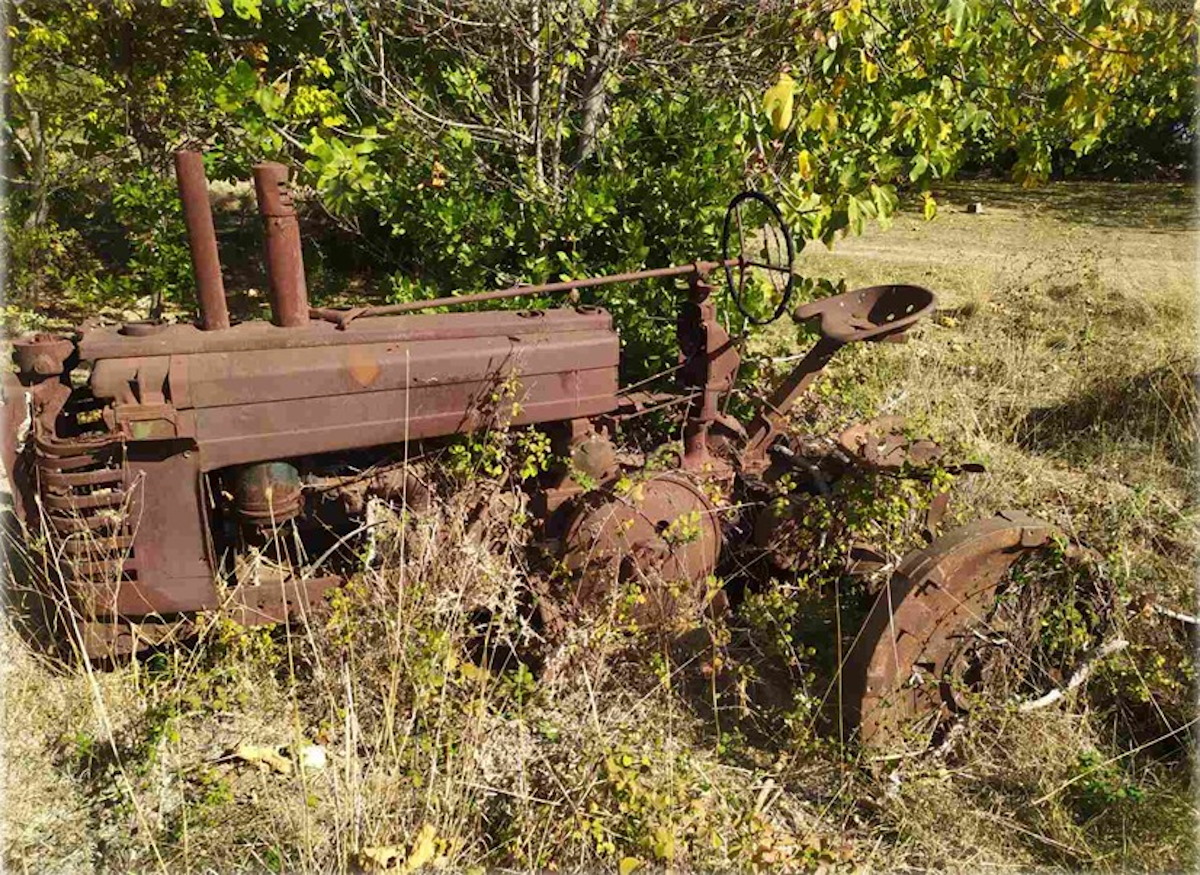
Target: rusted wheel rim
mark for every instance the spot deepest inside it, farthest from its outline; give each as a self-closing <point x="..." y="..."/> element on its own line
<point x="916" y="657"/>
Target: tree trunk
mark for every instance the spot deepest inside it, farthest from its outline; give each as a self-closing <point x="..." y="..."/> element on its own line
<point x="594" y="95"/>
<point x="39" y="187"/>
<point x="535" y="92"/>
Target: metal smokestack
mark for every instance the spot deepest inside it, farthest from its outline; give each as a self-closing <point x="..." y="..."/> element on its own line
<point x="202" y="240"/>
<point x="285" y="262"/>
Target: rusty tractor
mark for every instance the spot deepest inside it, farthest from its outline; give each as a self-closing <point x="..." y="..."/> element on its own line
<point x="152" y="455"/>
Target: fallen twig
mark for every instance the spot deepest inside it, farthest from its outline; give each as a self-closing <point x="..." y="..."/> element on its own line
<point x="1176" y="615"/>
<point x="1105" y="650"/>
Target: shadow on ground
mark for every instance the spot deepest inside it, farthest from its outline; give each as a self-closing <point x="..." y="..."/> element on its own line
<point x="1155" y="409"/>
<point x="1155" y="208"/>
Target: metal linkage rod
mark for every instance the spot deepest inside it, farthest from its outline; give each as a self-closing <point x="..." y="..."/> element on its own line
<point x="343" y="316"/>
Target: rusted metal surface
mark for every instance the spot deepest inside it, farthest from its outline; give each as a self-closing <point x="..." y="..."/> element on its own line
<point x="884" y="444"/>
<point x="401" y="485"/>
<point x="380" y="395"/>
<point x="110" y="639"/>
<point x="708" y="366"/>
<point x="285" y="260"/>
<point x="908" y="659"/>
<point x="244" y="406"/>
<point x="772" y="420"/>
<point x="593" y="454"/>
<point x="663" y="536"/>
<point x="202" y="240"/>
<point x="267" y="493"/>
<point x="871" y="314"/>
<point x="264" y="603"/>
<point x="40" y="356"/>
<point x="128" y="492"/>
<point x="184" y="339"/>
<point x="279" y="600"/>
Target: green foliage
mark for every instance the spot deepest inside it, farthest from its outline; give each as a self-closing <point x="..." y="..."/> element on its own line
<point x="897" y="95"/>
<point x="49" y="267"/>
<point x="496" y="449"/>
<point x="1103" y="783"/>
<point x="659" y="802"/>
<point x="477" y="454"/>
<point x="146" y="209"/>
<point x="573" y="139"/>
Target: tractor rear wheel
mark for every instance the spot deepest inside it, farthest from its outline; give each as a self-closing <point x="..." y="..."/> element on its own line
<point x="918" y="654"/>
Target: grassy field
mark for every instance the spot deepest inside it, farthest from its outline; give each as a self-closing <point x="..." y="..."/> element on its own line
<point x="1061" y="356"/>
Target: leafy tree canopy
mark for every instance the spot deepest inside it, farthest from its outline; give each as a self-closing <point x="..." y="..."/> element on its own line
<point x="471" y="143"/>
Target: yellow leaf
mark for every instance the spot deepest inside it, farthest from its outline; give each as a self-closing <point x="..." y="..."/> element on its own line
<point x="627" y="865"/>
<point x="664" y="843"/>
<point x="779" y="101"/>
<point x="423" y="848"/>
<point x="377" y="859"/>
<point x="930" y="208"/>
<point x="470" y="671"/>
<point x="804" y="164"/>
<point x="831" y="121"/>
<point x="438" y="175"/>
<point x="267" y="758"/>
<point x="870" y="71"/>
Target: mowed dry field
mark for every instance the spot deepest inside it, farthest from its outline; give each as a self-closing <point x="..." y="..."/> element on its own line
<point x="1062" y="357"/>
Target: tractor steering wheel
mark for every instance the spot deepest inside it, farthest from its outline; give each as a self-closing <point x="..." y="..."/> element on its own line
<point x="767" y="228"/>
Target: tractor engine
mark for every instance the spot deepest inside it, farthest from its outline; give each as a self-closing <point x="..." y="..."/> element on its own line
<point x="155" y="451"/>
<point x="181" y="440"/>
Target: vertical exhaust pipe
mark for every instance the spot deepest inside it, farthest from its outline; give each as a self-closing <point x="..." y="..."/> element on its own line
<point x="202" y="240"/>
<point x="285" y="262"/>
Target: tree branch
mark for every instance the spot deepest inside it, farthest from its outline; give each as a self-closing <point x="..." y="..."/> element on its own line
<point x="1084" y="671"/>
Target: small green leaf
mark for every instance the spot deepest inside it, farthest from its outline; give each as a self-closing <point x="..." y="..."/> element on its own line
<point x="248" y="10"/>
